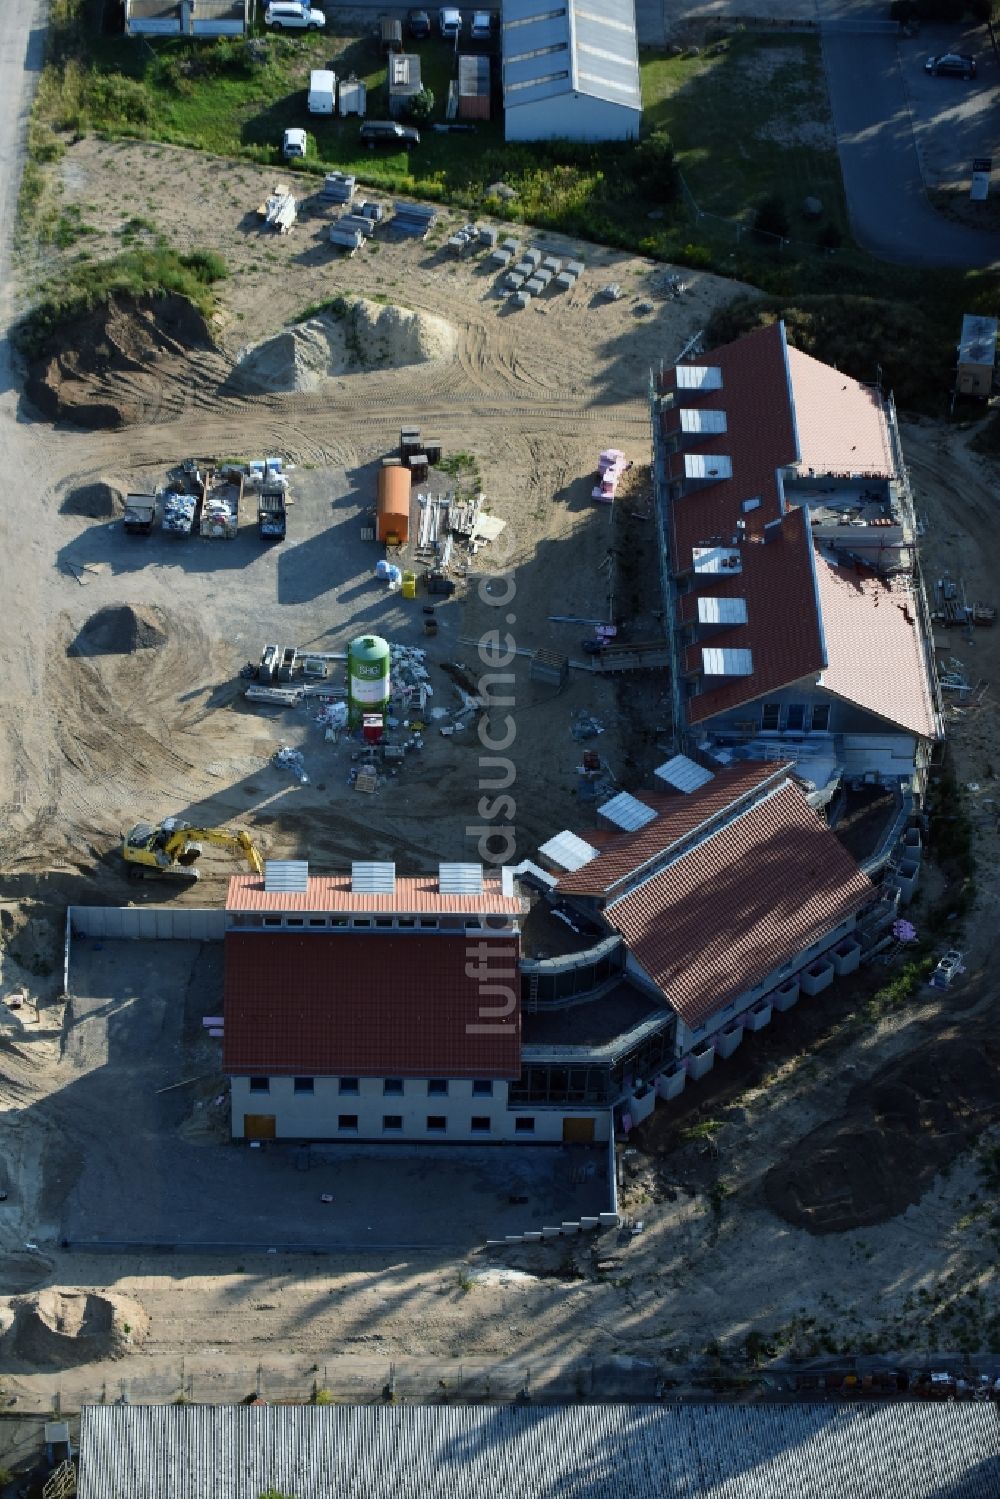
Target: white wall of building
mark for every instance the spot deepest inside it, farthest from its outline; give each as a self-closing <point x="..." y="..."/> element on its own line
<point x="317" y="1115"/>
<point x="574" y="117"/>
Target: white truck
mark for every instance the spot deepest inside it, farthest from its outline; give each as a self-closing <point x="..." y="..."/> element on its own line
<point x="322" y="91"/>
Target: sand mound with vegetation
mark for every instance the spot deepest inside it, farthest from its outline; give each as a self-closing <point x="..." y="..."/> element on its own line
<point x="120" y="630"/>
<point x="115" y="365"/>
<point x="62" y="1327"/>
<point x="348" y="337"/>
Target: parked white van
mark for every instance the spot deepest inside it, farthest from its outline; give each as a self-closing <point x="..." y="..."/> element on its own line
<point x="291" y="15"/>
<point x="322" y="91"/>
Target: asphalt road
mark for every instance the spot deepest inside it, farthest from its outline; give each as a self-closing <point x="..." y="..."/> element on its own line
<point x="872" y="104"/>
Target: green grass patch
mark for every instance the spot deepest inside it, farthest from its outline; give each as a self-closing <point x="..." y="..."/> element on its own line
<point x="135" y="273"/>
<point x="750" y="117"/>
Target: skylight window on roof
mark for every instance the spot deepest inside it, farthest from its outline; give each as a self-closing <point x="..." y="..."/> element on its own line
<point x="699" y="377"/>
<point x="713" y="611"/>
<point x="542" y="15"/>
<point x="513" y="88"/>
<point x="368" y="878"/>
<point x="717" y="559"/>
<point x="460" y="879"/>
<point x="702" y="420"/>
<point x="714" y="466"/>
<point x="726" y="662"/>
<point x="283" y="876"/>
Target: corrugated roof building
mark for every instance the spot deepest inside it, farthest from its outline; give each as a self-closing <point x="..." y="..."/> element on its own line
<point x="570" y="70"/>
<point x="186" y="17"/>
<point x="899" y="1450"/>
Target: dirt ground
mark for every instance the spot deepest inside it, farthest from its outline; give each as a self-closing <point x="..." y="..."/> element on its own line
<point x="90" y="741"/>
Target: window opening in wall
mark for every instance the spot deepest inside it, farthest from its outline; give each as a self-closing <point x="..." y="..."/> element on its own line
<point x="436" y="1123"/>
<point x="437" y="1087"/>
<point x="524" y="1126"/>
<point x="272" y="920"/>
<point x="482" y="1088"/>
<point x="392" y="1121"/>
<point x="347" y="1122"/>
<point x="795" y="717"/>
<point x="820" y="720"/>
<point x="295" y="921"/>
<point x="383" y="921"/>
<point x="260" y="1085"/>
<point x="317" y="921"/>
<point x="480" y="1124"/>
<point x="348" y="1085"/>
<point x="770" y="718"/>
<point x="392" y="1085"/>
<point x="303" y="1085"/>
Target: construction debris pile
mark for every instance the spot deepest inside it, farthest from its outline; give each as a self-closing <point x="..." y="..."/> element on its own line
<point x="179" y="512"/>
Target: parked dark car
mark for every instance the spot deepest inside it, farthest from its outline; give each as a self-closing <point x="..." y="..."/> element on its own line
<point x="418" y="24"/>
<point x="951" y="65"/>
<point x="388" y="133"/>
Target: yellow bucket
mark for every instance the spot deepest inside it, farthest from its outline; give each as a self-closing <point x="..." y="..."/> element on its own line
<point x="409" y="585"/>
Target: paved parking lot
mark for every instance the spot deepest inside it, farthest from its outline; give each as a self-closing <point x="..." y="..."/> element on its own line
<point x="138" y="1165"/>
<point x="954" y="120"/>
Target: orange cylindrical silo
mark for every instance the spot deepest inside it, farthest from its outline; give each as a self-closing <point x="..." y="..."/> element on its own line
<point x="393" y="503"/>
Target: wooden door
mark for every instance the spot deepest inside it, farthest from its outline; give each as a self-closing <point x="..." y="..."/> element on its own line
<point x="259" y="1126"/>
<point x="578" y="1131"/>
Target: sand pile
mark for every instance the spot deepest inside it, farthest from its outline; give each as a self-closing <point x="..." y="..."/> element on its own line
<point x="356" y="336"/>
<point x="114" y="365"/>
<point x="94" y="501"/>
<point x="120" y="630"/>
<point x="64" y="1327"/>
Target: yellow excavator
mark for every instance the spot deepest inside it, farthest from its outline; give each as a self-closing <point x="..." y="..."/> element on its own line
<point x="171" y="850"/>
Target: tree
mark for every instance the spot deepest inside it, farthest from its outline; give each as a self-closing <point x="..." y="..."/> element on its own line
<point x="421" y="106"/>
<point x="654" y="168"/>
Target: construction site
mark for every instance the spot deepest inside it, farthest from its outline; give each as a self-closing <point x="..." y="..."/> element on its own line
<point x="380" y="448"/>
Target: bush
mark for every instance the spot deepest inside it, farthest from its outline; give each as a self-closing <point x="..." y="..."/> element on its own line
<point x="112" y="99"/>
<point x="654" y="169"/>
<point x="829" y="237"/>
<point x="421" y="106"/>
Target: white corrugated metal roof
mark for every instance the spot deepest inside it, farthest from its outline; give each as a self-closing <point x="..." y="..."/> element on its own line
<point x="712" y="611"/>
<point x="900" y="1450"/>
<point x="683" y="774"/>
<point x="627" y="812"/>
<point x="285" y="875"/>
<point x="725" y="661"/>
<point x="707" y="420"/>
<point x="707" y="466"/>
<point x="576" y="47"/>
<point x="699" y="376"/>
<point x="567" y="851"/>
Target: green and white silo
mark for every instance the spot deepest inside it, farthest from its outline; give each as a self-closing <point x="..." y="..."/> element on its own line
<point x="367" y="677"/>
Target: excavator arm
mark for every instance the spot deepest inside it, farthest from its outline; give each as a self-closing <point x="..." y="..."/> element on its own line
<point x="222" y="837"/>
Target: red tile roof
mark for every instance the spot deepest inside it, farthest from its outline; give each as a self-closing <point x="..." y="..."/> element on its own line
<point x="874" y="645"/>
<point x="361" y="1004"/>
<point x="680" y="816"/>
<point x="326" y="893"/>
<point x="760" y="438"/>
<point x="727" y="914"/>
<point x="782" y="630"/>
<point x="842" y="429"/>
